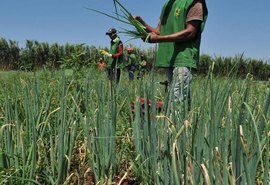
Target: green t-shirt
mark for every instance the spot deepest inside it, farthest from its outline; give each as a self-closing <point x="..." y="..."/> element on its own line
<point x="172" y="20"/>
<point x="115" y="62"/>
<point x="142" y="65"/>
<point x="132" y="59"/>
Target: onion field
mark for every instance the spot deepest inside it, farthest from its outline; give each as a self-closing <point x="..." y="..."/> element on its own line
<point x="58" y="128"/>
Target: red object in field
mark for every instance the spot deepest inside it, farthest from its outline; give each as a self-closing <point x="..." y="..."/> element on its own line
<point x="101" y="65"/>
<point x="130" y="49"/>
<point x="159" y="105"/>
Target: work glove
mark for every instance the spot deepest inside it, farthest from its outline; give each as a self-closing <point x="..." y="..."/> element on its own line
<point x="105" y="53"/>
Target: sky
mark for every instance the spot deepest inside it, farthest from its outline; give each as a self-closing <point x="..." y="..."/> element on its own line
<point x="233" y="27"/>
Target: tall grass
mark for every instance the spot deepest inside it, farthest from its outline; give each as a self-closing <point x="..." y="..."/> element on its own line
<point x="222" y="140"/>
<point x="58" y="130"/>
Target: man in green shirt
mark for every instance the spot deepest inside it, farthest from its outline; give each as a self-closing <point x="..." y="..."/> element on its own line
<point x="179" y="35"/>
<point x="114" y="58"/>
<point x="132" y="61"/>
<point x="141" y="67"/>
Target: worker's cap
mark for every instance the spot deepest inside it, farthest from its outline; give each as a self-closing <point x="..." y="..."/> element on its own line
<point x="111" y="31"/>
<point x="130" y="49"/>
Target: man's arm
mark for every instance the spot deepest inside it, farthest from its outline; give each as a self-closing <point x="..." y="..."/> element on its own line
<point x="189" y="33"/>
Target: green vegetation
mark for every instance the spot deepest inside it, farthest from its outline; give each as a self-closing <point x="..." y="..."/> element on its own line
<point x="62" y="129"/>
<point x="39" y="55"/>
<point x="62" y="122"/>
<point x="138" y="31"/>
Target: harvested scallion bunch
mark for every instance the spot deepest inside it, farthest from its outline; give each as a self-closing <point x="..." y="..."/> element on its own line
<point x="127" y="18"/>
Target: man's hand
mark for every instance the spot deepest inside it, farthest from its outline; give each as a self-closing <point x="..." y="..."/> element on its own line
<point x="152" y="38"/>
<point x="138" y="18"/>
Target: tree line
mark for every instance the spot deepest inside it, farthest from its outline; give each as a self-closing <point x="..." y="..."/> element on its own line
<point x="36" y="55"/>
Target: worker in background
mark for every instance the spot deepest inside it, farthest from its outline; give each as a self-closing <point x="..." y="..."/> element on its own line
<point x="141" y="67"/>
<point x="101" y="65"/>
<point x="131" y="63"/>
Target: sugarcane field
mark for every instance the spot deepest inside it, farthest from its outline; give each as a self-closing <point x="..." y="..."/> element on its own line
<point x="122" y="114"/>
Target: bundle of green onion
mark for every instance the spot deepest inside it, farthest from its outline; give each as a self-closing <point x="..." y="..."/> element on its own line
<point x="127" y="18"/>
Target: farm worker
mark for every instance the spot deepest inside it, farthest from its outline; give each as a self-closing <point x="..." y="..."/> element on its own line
<point x="131" y="64"/>
<point x="114" y="57"/>
<point x="101" y="64"/>
<point x="141" y="67"/>
<point x="179" y="36"/>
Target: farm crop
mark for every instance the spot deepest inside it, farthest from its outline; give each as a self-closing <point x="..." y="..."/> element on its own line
<point x="56" y="129"/>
